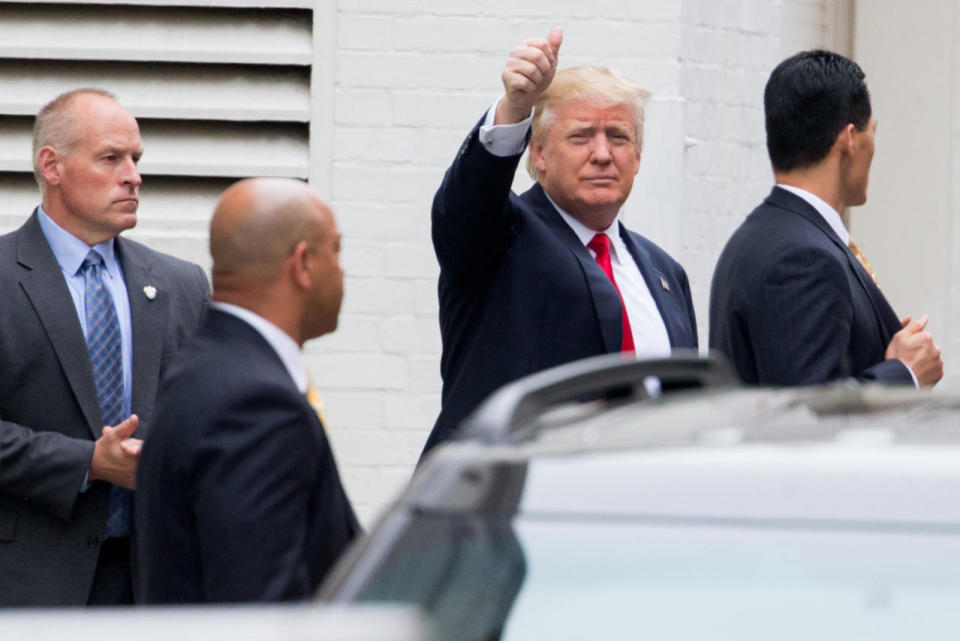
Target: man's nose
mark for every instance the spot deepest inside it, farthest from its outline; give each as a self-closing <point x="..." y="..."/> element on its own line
<point x="131" y="173"/>
<point x="600" y="149"/>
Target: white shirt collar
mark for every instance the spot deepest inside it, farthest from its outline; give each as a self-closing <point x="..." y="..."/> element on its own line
<point x="281" y="342"/>
<point x="828" y="213"/>
<point x="584" y="233"/>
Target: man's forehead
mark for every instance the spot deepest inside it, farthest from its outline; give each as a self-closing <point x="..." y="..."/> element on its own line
<point x="134" y="147"/>
<point x="589" y="112"/>
<point x="109" y="129"/>
<point x="103" y="141"/>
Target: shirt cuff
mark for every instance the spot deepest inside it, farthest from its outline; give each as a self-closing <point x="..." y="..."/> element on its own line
<point x="916" y="382"/>
<point x="504" y="140"/>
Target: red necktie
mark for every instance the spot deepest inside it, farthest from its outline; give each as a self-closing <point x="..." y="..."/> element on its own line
<point x="600" y="244"/>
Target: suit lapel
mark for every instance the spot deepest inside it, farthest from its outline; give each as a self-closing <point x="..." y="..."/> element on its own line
<point x="606" y="302"/>
<point x="791" y="202"/>
<point x="148" y="317"/>
<point x="272" y="368"/>
<point x="47" y="290"/>
<point x="655" y="283"/>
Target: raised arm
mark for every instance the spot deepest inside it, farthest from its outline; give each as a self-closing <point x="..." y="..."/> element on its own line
<point x="473" y="220"/>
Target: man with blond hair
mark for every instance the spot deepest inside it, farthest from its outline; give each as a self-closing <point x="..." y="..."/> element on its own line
<point x="532" y="281"/>
<point x="88" y="320"/>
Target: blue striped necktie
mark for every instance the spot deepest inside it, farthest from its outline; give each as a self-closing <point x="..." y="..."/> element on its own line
<point x="106" y="359"/>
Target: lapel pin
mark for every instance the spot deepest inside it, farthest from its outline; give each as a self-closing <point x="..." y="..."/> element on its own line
<point x="664" y="284"/>
<point x="151" y="292"/>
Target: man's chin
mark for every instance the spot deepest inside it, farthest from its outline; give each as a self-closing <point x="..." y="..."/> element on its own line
<point x="603" y="199"/>
<point x="125" y="221"/>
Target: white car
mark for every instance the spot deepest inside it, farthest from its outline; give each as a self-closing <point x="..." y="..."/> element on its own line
<point x="302" y="622"/>
<point x="710" y="511"/>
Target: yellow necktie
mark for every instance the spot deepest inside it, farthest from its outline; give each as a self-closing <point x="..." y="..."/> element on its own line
<point x="313" y="397"/>
<point x="863" y="261"/>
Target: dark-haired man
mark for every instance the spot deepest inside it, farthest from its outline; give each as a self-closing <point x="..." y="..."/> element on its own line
<point x="793" y="300"/>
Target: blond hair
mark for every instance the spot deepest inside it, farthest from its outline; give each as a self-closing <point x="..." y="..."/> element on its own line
<point x="55" y="126"/>
<point x="587" y="83"/>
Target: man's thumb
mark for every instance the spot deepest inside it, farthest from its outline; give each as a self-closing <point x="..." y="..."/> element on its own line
<point x="555" y="39"/>
<point x="128" y="427"/>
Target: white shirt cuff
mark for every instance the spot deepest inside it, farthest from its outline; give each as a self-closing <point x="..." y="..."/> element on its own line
<point x="916" y="382"/>
<point x="504" y="140"/>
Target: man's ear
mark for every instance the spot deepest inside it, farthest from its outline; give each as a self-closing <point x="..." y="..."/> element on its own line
<point x="536" y="154"/>
<point x="846" y="138"/>
<point x="48" y="160"/>
<point x="301" y="270"/>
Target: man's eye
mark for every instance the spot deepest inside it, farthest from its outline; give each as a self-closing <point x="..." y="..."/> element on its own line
<point x="578" y="138"/>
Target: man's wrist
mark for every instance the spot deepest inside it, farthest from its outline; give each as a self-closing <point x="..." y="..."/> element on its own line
<point x="913" y="375"/>
<point x="504" y="140"/>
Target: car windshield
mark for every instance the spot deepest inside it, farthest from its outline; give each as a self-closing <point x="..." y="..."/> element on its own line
<point x="543" y="577"/>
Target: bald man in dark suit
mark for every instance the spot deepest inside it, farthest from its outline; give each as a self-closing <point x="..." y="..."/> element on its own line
<point x="241" y="499"/>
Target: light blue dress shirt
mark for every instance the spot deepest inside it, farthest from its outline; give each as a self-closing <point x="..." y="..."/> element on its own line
<point x="70" y="252"/>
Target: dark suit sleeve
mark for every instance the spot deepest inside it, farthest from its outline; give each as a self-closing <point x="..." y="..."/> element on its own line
<point x="256" y="471"/>
<point x="202" y="286"/>
<point x="473" y="220"/>
<point x="800" y="323"/>
<point x="44" y="469"/>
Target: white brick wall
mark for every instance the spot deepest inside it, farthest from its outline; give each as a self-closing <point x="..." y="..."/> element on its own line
<point x="729" y="50"/>
<point x="413" y="76"/>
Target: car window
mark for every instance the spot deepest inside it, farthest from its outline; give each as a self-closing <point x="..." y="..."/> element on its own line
<point x="539" y="577"/>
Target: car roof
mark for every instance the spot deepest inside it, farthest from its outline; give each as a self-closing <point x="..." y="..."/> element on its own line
<point x="855" y="454"/>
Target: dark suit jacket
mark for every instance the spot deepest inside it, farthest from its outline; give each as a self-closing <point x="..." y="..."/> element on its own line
<point x="240" y="499"/>
<point x="49" y="415"/>
<point x="791" y="305"/>
<point x="518" y="290"/>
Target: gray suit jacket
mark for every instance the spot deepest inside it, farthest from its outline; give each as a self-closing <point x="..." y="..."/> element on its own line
<point x="50" y="532"/>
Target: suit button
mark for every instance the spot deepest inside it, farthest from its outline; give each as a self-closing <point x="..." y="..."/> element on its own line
<point x="93" y="541"/>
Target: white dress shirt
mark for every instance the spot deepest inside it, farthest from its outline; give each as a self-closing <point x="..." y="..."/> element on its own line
<point x="281" y="342"/>
<point x="650" y="336"/>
